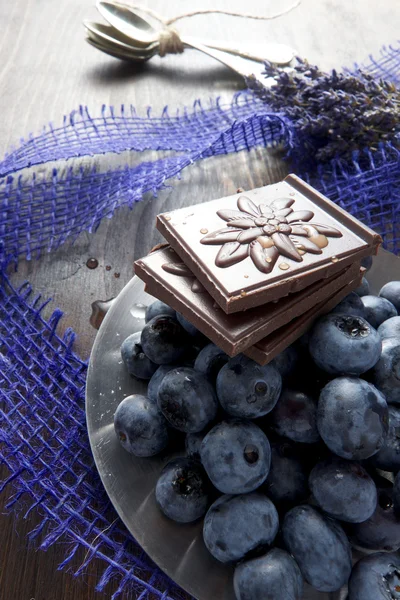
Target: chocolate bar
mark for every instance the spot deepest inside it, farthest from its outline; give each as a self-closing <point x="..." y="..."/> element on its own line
<point x="170" y="280"/>
<point x="255" y="247"/>
<point x="265" y="350"/>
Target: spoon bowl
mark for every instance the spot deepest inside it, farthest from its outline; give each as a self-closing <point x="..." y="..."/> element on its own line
<point x="108" y="37"/>
<point x="128" y="22"/>
<point x="115" y="51"/>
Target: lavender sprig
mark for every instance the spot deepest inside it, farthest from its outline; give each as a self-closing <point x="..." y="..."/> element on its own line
<point x="333" y="114"/>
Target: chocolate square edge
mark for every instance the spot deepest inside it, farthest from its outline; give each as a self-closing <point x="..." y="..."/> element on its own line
<point x="200" y="311"/>
<point x="373" y="239"/>
<point x="266" y="350"/>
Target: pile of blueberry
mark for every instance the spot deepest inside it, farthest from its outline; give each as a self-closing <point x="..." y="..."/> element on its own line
<point x="290" y="464"/>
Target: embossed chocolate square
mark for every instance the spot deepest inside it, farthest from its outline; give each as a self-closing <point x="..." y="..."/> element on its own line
<point x="258" y="246"/>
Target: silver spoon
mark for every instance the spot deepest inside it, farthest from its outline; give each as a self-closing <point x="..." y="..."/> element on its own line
<point x="245" y="68"/>
<point x="132" y="25"/>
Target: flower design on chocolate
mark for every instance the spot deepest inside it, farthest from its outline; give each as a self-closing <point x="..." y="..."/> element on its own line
<point x="267" y="232"/>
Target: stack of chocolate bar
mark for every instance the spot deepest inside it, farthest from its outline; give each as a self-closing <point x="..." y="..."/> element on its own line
<point x="252" y="271"/>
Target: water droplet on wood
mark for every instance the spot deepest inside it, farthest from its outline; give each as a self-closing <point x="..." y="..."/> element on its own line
<point x="92" y="263"/>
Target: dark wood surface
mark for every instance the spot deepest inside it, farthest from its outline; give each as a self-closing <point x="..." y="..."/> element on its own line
<point x="46" y="70"/>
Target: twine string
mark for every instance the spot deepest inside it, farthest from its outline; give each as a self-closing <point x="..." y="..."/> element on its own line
<point x="169" y="38"/>
<point x="170" y="42"/>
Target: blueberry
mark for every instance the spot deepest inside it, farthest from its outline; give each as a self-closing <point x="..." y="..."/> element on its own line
<point x="286" y="361"/>
<point x="187" y="326"/>
<point x="193" y="443"/>
<point x="388" y="457"/>
<point x="396" y="493"/>
<point x="210" y="361"/>
<point x="246" y="389"/>
<point x="350" y="305"/>
<point x="382" y="530"/>
<point x="378" y="310"/>
<point x="234" y="526"/>
<point x="163" y="340"/>
<point x="236" y="455"/>
<point x="308" y="378"/>
<point x="304" y="341"/>
<point x="363" y="288"/>
<point x="155" y="381"/>
<point x="295" y="417"/>
<point x="135" y="359"/>
<point x="319" y="546"/>
<point x="286" y="483"/>
<point x="182" y="490"/>
<point x="376" y="577"/>
<point x="391" y="291"/>
<point x="274" y="576"/>
<point x="352" y="418"/>
<point x="158" y="308"/>
<point x="386" y="373"/>
<point x="140" y="428"/>
<point x="390" y="328"/>
<point x="187" y="399"/>
<point x="343" y="344"/>
<point x="367" y="262"/>
<point x="343" y="490"/>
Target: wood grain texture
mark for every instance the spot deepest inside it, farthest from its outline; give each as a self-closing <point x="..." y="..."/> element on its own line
<point x="46" y="70"/>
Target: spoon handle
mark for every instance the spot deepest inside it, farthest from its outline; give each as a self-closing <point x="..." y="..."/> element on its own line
<point x="279" y="54"/>
<point x="240" y="65"/>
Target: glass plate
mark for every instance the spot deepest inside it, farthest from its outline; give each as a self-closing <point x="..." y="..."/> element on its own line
<point x="129" y="482"/>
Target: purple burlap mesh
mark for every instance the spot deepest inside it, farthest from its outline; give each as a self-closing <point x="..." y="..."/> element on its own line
<point x="45" y="448"/>
<point x="43" y="439"/>
<point x="387" y="65"/>
<point x="41" y="213"/>
<point x="116" y="130"/>
<point x="368" y="187"/>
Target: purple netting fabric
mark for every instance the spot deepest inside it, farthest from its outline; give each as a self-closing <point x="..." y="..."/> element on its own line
<point x="43" y="439"/>
<point x="386" y="66"/>
<point x="45" y="448"/>
<point x="41" y="213"/>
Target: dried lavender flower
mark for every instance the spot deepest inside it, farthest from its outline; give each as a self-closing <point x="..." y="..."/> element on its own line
<point x="333" y="114"/>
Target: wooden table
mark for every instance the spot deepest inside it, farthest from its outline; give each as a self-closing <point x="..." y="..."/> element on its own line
<point x="46" y="70"/>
